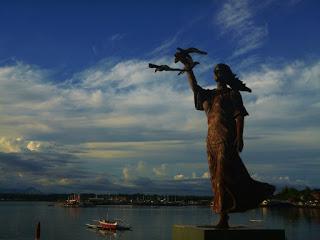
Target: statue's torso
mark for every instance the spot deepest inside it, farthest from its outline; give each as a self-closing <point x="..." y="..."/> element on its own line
<point x="220" y="112"/>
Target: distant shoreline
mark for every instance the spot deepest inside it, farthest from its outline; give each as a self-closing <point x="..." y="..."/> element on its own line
<point x="60" y="204"/>
<point x="287" y="198"/>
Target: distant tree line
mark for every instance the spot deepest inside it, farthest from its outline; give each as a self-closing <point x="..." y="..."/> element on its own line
<point x="293" y="194"/>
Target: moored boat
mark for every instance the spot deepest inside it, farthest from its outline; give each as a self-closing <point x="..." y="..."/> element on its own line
<point x="110" y="225"/>
<point x="72" y="201"/>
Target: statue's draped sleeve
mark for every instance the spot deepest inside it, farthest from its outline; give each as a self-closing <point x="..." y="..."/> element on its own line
<point x="238" y="108"/>
<point x="200" y="96"/>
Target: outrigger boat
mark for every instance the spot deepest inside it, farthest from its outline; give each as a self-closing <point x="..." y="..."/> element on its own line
<point x="110" y="225"/>
<point x="73" y="201"/>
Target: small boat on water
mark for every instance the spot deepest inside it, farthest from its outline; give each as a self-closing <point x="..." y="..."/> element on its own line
<point x="110" y="225"/>
<point x="256" y="220"/>
<point x="74" y="201"/>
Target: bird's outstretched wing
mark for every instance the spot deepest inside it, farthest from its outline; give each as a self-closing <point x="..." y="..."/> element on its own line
<point x="183" y="56"/>
<point x="191" y="50"/>
<point x="163" y="68"/>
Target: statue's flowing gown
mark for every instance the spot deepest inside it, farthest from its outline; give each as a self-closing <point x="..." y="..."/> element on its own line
<point x="234" y="189"/>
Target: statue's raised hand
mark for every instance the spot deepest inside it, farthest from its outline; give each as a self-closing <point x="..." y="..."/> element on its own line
<point x="185" y="59"/>
<point x="183" y="56"/>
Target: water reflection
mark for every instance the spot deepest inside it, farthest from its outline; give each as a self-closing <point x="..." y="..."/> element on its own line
<point x="106" y="234"/>
<point x="73" y="213"/>
<point x="308" y="215"/>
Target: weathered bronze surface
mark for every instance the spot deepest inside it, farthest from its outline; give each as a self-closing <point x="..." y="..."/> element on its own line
<point x="234" y="189"/>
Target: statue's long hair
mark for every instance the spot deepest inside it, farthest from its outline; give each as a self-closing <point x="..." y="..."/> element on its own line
<point x="232" y="80"/>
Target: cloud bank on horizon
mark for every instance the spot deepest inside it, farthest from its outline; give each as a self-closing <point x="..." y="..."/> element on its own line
<point x="113" y="125"/>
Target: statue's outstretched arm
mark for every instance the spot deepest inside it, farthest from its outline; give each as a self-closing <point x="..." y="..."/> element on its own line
<point x="188" y="65"/>
<point x="192" y="80"/>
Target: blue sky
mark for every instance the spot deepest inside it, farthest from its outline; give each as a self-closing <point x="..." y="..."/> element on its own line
<point x="81" y="111"/>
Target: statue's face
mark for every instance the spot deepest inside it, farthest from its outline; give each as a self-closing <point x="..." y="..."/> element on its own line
<point x="219" y="75"/>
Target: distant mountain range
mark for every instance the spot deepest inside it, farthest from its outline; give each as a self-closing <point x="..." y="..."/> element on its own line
<point x="28" y="190"/>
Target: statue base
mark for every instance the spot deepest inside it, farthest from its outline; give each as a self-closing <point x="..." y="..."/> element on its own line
<point x="188" y="232"/>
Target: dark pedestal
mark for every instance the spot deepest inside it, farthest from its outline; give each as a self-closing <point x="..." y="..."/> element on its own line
<point x="187" y="232"/>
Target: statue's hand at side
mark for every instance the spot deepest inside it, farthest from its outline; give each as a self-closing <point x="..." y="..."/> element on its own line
<point x="239" y="137"/>
<point x="239" y="144"/>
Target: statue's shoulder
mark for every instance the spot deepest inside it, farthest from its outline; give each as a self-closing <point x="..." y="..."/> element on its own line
<point x="226" y="91"/>
<point x="234" y="93"/>
<point x="213" y="91"/>
<point x="207" y="91"/>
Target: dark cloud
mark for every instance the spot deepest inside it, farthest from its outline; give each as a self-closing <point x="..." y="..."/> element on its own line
<point x="32" y="167"/>
<point x="15" y="162"/>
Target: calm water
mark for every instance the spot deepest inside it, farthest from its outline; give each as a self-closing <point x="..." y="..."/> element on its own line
<point x="18" y="221"/>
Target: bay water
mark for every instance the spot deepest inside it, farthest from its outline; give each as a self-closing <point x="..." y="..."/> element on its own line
<point x="18" y="221"/>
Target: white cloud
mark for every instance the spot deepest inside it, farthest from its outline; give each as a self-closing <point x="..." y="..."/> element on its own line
<point x="45" y="181"/>
<point x="146" y="150"/>
<point x="165" y="46"/>
<point x="33" y="146"/>
<point x="205" y="175"/>
<point x="123" y="74"/>
<point x="125" y="113"/>
<point x="117" y="37"/>
<point x="125" y="174"/>
<point x="141" y="167"/>
<point x="236" y="18"/>
<point x="65" y="181"/>
<point x="179" y="177"/>
<point x="10" y="145"/>
<point x="160" y="171"/>
<point x="288" y="82"/>
<point x="23" y="145"/>
<point x="84" y="98"/>
<point x="283" y="104"/>
<point x="18" y="145"/>
<point x="127" y="95"/>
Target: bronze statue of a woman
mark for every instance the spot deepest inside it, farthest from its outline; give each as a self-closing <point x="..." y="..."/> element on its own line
<point x="234" y="189"/>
